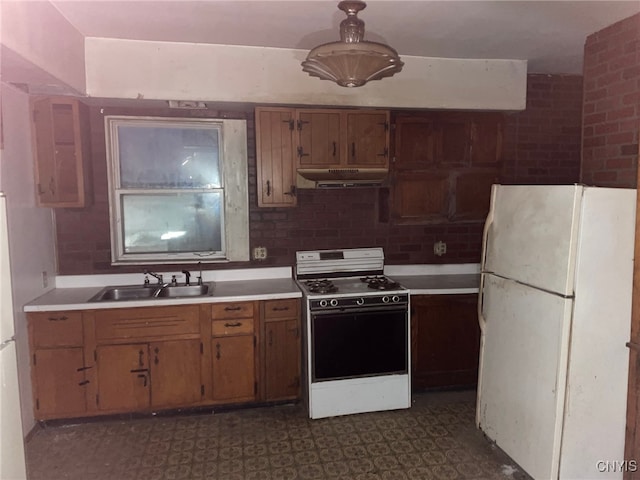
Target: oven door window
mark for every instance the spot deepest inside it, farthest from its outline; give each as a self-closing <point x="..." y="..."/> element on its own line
<point x="362" y="344"/>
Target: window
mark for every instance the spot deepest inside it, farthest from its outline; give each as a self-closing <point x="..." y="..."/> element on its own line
<point x="177" y="189"/>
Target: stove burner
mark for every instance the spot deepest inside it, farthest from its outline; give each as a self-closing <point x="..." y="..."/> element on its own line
<point x="321" y="286"/>
<point x="380" y="283"/>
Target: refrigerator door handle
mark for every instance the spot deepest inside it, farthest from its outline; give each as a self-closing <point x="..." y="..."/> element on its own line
<point x="481" y="320"/>
<point x="485" y="231"/>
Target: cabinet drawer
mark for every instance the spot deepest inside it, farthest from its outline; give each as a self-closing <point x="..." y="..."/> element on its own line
<point x="232" y="310"/>
<point x="55" y="329"/>
<point x="146" y="322"/>
<point x="274" y="309"/>
<point x="231" y="327"/>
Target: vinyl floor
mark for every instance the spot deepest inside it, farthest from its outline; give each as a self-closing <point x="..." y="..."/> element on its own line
<point x="435" y="439"/>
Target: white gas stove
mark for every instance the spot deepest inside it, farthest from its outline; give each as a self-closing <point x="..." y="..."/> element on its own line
<point x="356" y="333"/>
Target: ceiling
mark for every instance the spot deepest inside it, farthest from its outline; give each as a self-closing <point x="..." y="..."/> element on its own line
<point x="549" y="34"/>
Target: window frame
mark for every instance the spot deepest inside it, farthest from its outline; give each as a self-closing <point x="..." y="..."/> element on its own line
<point x="232" y="154"/>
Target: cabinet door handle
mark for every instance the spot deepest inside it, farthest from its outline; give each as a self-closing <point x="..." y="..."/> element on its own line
<point x="232" y="309"/>
<point x="82" y="369"/>
<point x="280" y="309"/>
<point x="270" y="337"/>
<point x="268" y="188"/>
<point x="235" y="324"/>
<point x="218" y="350"/>
<point x="144" y="377"/>
<point x="334" y="149"/>
<point x="141" y="358"/>
<point x="83" y="383"/>
<point x="353" y="149"/>
<point x="58" y="319"/>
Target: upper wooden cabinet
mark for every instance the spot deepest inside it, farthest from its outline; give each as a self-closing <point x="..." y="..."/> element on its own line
<point x="275" y="152"/>
<point x="320" y="138"/>
<point x="446" y="140"/>
<point x="60" y="144"/>
<point x="444" y="165"/>
<point x="342" y="138"/>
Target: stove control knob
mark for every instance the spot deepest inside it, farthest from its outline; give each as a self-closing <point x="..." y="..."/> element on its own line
<point x="334" y="302"/>
<point x="385" y="299"/>
<point x="395" y="299"/>
<point x="323" y="303"/>
<point x="360" y="301"/>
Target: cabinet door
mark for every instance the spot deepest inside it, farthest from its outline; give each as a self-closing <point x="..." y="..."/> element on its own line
<point x="233" y="368"/>
<point x="445" y="341"/>
<point x="319" y="138"/>
<point x="486" y="139"/>
<point x="123" y="377"/>
<point x="275" y="155"/>
<point x="58" y="150"/>
<point x="59" y="379"/>
<point x="175" y="373"/>
<point x="421" y="197"/>
<point x="454" y="139"/>
<point x="282" y="359"/>
<point x="367" y="139"/>
<point x="415" y="143"/>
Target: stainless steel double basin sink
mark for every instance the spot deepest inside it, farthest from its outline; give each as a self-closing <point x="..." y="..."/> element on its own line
<point x="152" y="292"/>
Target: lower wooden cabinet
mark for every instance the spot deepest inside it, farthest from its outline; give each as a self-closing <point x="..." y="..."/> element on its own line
<point x="156" y="374"/>
<point x="445" y="341"/>
<point x="233" y="368"/>
<point x="58" y="366"/>
<point x="107" y="361"/>
<point x="59" y="382"/>
<point x="282" y="349"/>
<point x="233" y="352"/>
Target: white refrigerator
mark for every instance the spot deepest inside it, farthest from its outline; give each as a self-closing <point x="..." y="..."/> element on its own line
<point x="12" y="458"/>
<point x="555" y="315"/>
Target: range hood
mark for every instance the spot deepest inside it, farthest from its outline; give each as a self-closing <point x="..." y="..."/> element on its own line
<point x="340" y="177"/>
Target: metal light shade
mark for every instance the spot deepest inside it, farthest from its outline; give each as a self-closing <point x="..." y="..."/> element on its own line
<point x="352" y="62"/>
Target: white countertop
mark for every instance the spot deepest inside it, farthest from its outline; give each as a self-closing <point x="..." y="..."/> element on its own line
<point x="440" y="284"/>
<point x="440" y="279"/>
<point x="74" y="292"/>
<point x="231" y="291"/>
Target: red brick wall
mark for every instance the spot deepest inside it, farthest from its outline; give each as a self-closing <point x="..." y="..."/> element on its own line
<point x="542" y="143"/>
<point x="536" y="152"/>
<point x="611" y="115"/>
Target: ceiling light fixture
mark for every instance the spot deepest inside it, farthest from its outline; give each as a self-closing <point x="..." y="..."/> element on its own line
<point x="352" y="61"/>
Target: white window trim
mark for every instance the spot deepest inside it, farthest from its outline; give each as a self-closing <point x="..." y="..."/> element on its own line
<point x="234" y="172"/>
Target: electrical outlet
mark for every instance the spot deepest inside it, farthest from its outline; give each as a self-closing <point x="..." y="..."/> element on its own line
<point x="439" y="248"/>
<point x="260" y="253"/>
<point x="45" y="279"/>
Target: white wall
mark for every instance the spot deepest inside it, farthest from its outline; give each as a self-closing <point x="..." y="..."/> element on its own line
<point x="185" y="71"/>
<point x="31" y="230"/>
<point x="38" y="32"/>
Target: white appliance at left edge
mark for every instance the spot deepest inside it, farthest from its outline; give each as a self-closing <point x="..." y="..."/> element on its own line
<point x="12" y="458"/>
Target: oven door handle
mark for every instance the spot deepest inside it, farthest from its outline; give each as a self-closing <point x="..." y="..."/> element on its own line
<point x="404" y="308"/>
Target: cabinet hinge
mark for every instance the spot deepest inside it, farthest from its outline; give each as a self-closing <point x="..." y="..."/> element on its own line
<point x="202" y="390"/>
